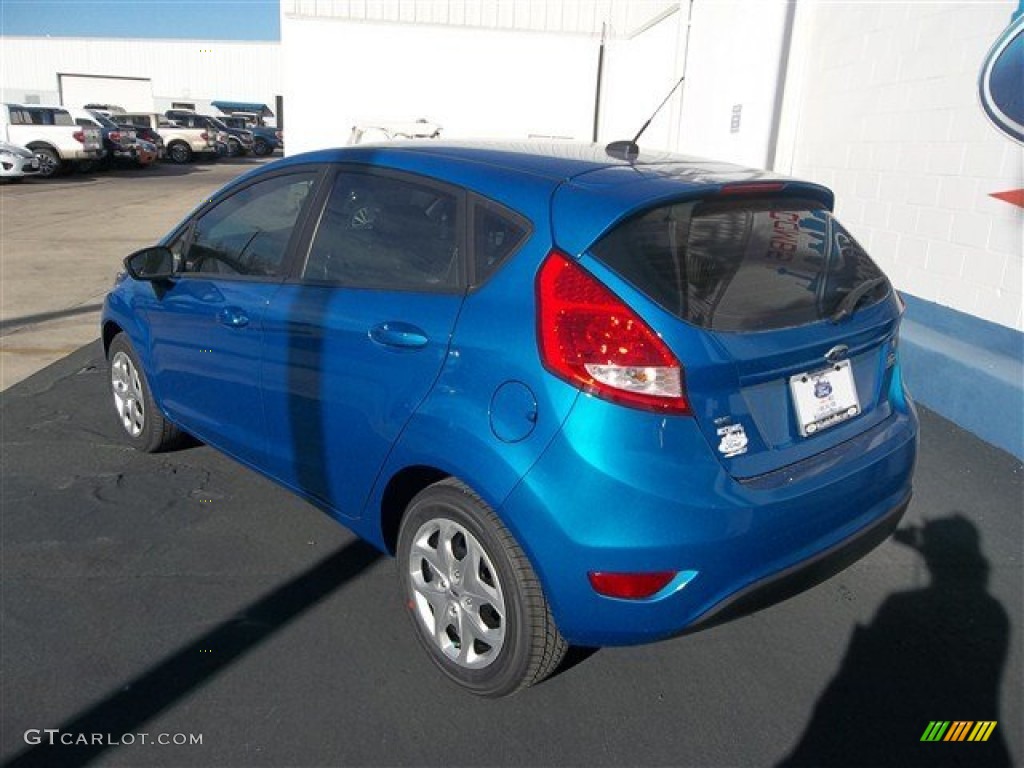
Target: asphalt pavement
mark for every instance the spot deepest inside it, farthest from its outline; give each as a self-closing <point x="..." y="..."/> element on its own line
<point x="181" y="598"/>
<point x="62" y="241"/>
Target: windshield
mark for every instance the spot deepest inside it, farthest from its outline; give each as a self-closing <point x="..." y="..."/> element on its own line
<point x="745" y="265"/>
<point x="106" y="122"/>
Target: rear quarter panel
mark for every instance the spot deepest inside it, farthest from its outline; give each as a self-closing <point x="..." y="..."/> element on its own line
<point x="494" y="344"/>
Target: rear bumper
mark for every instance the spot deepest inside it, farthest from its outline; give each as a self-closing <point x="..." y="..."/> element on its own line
<point x="623" y="491"/>
<point x="84" y="154"/>
<point x="806" y="574"/>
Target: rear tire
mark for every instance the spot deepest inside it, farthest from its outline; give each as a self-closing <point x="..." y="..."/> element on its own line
<point x="261" y="148"/>
<point x="179" y="152"/>
<point x="144" y="425"/>
<point x="476" y="603"/>
<point x="50" y="164"/>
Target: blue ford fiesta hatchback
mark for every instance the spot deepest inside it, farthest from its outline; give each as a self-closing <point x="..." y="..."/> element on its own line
<point x="582" y="399"/>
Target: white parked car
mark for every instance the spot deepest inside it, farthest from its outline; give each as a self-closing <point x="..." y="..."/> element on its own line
<point x="17" y="162"/>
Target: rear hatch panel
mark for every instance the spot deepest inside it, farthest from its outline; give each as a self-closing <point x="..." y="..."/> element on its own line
<point x="755" y="335"/>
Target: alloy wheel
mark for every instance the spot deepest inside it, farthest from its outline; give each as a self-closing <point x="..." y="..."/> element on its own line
<point x="456" y="595"/>
<point x="128" y="396"/>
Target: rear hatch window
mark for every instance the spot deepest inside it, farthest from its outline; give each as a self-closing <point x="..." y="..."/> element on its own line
<point x="744" y="266"/>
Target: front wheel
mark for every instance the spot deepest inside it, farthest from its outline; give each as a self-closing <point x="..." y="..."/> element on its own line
<point x="261" y="148"/>
<point x="145" y="426"/>
<point x="476" y="604"/>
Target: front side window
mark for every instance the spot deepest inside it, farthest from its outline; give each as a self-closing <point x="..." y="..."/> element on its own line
<point x="248" y="233"/>
<point x="387" y="233"/>
<point x="744" y="266"/>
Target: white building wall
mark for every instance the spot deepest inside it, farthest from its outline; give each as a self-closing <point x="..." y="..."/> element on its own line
<point x="473" y="82"/>
<point x="734" y="58"/>
<point x="882" y="106"/>
<point x="487" y="69"/>
<point x="180" y="70"/>
<point x="641" y="67"/>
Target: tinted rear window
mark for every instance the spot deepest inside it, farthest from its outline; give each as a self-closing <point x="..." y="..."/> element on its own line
<point x="750" y="265"/>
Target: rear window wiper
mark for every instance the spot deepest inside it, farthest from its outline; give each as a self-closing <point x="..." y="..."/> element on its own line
<point x="854" y="297"/>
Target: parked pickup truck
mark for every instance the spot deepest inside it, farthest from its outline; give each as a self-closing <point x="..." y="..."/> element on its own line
<point x="52" y="135"/>
<point x="181" y="143"/>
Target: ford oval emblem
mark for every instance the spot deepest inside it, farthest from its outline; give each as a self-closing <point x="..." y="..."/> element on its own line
<point x="837" y="353"/>
<point x="999" y="85"/>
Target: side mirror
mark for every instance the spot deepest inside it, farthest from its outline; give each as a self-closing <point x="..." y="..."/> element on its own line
<point x="152" y="264"/>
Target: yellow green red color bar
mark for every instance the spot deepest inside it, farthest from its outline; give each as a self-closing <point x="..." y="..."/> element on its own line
<point x="958" y="730"/>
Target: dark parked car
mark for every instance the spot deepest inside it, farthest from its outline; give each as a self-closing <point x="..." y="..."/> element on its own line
<point x="582" y="398"/>
<point x="147" y="134"/>
<point x="119" y="142"/>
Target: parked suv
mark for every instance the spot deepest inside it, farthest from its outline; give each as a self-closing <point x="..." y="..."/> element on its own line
<point x="52" y="135"/>
<point x="239" y="141"/>
<point x="181" y="143"/>
<point x="264" y="138"/>
<point x="583" y="397"/>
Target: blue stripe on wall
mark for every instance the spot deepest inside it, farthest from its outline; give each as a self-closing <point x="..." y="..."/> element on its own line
<point x="969" y="370"/>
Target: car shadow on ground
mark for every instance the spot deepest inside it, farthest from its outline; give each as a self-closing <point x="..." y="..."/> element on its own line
<point x="940" y="650"/>
<point x="181" y="673"/>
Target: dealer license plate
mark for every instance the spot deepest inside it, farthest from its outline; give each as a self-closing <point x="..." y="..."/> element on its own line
<point x="824" y="398"/>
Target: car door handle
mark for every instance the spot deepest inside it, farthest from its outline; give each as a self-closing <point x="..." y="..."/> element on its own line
<point x="395" y="334"/>
<point x="233" y="317"/>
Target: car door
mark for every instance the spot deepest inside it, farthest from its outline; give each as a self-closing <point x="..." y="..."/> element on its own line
<point x="206" y="325"/>
<point x="354" y="343"/>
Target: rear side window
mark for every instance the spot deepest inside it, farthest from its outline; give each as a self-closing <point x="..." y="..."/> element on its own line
<point x="744" y="266"/>
<point x="497" y="233"/>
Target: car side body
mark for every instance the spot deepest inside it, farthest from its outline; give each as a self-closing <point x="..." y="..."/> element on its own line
<point x="359" y="386"/>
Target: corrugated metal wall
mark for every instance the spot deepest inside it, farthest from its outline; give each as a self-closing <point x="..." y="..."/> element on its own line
<point x="577" y="17"/>
<point x="201" y="70"/>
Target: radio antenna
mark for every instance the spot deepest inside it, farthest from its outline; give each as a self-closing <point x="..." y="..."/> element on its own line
<point x="628" y="150"/>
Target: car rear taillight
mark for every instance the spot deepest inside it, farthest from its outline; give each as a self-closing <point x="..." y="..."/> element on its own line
<point x="204" y="136"/>
<point x="592" y="339"/>
<point x="78" y="136"/>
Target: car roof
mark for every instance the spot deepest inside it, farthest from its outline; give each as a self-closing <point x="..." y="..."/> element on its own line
<point x="557" y="161"/>
<point x="589" y="188"/>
